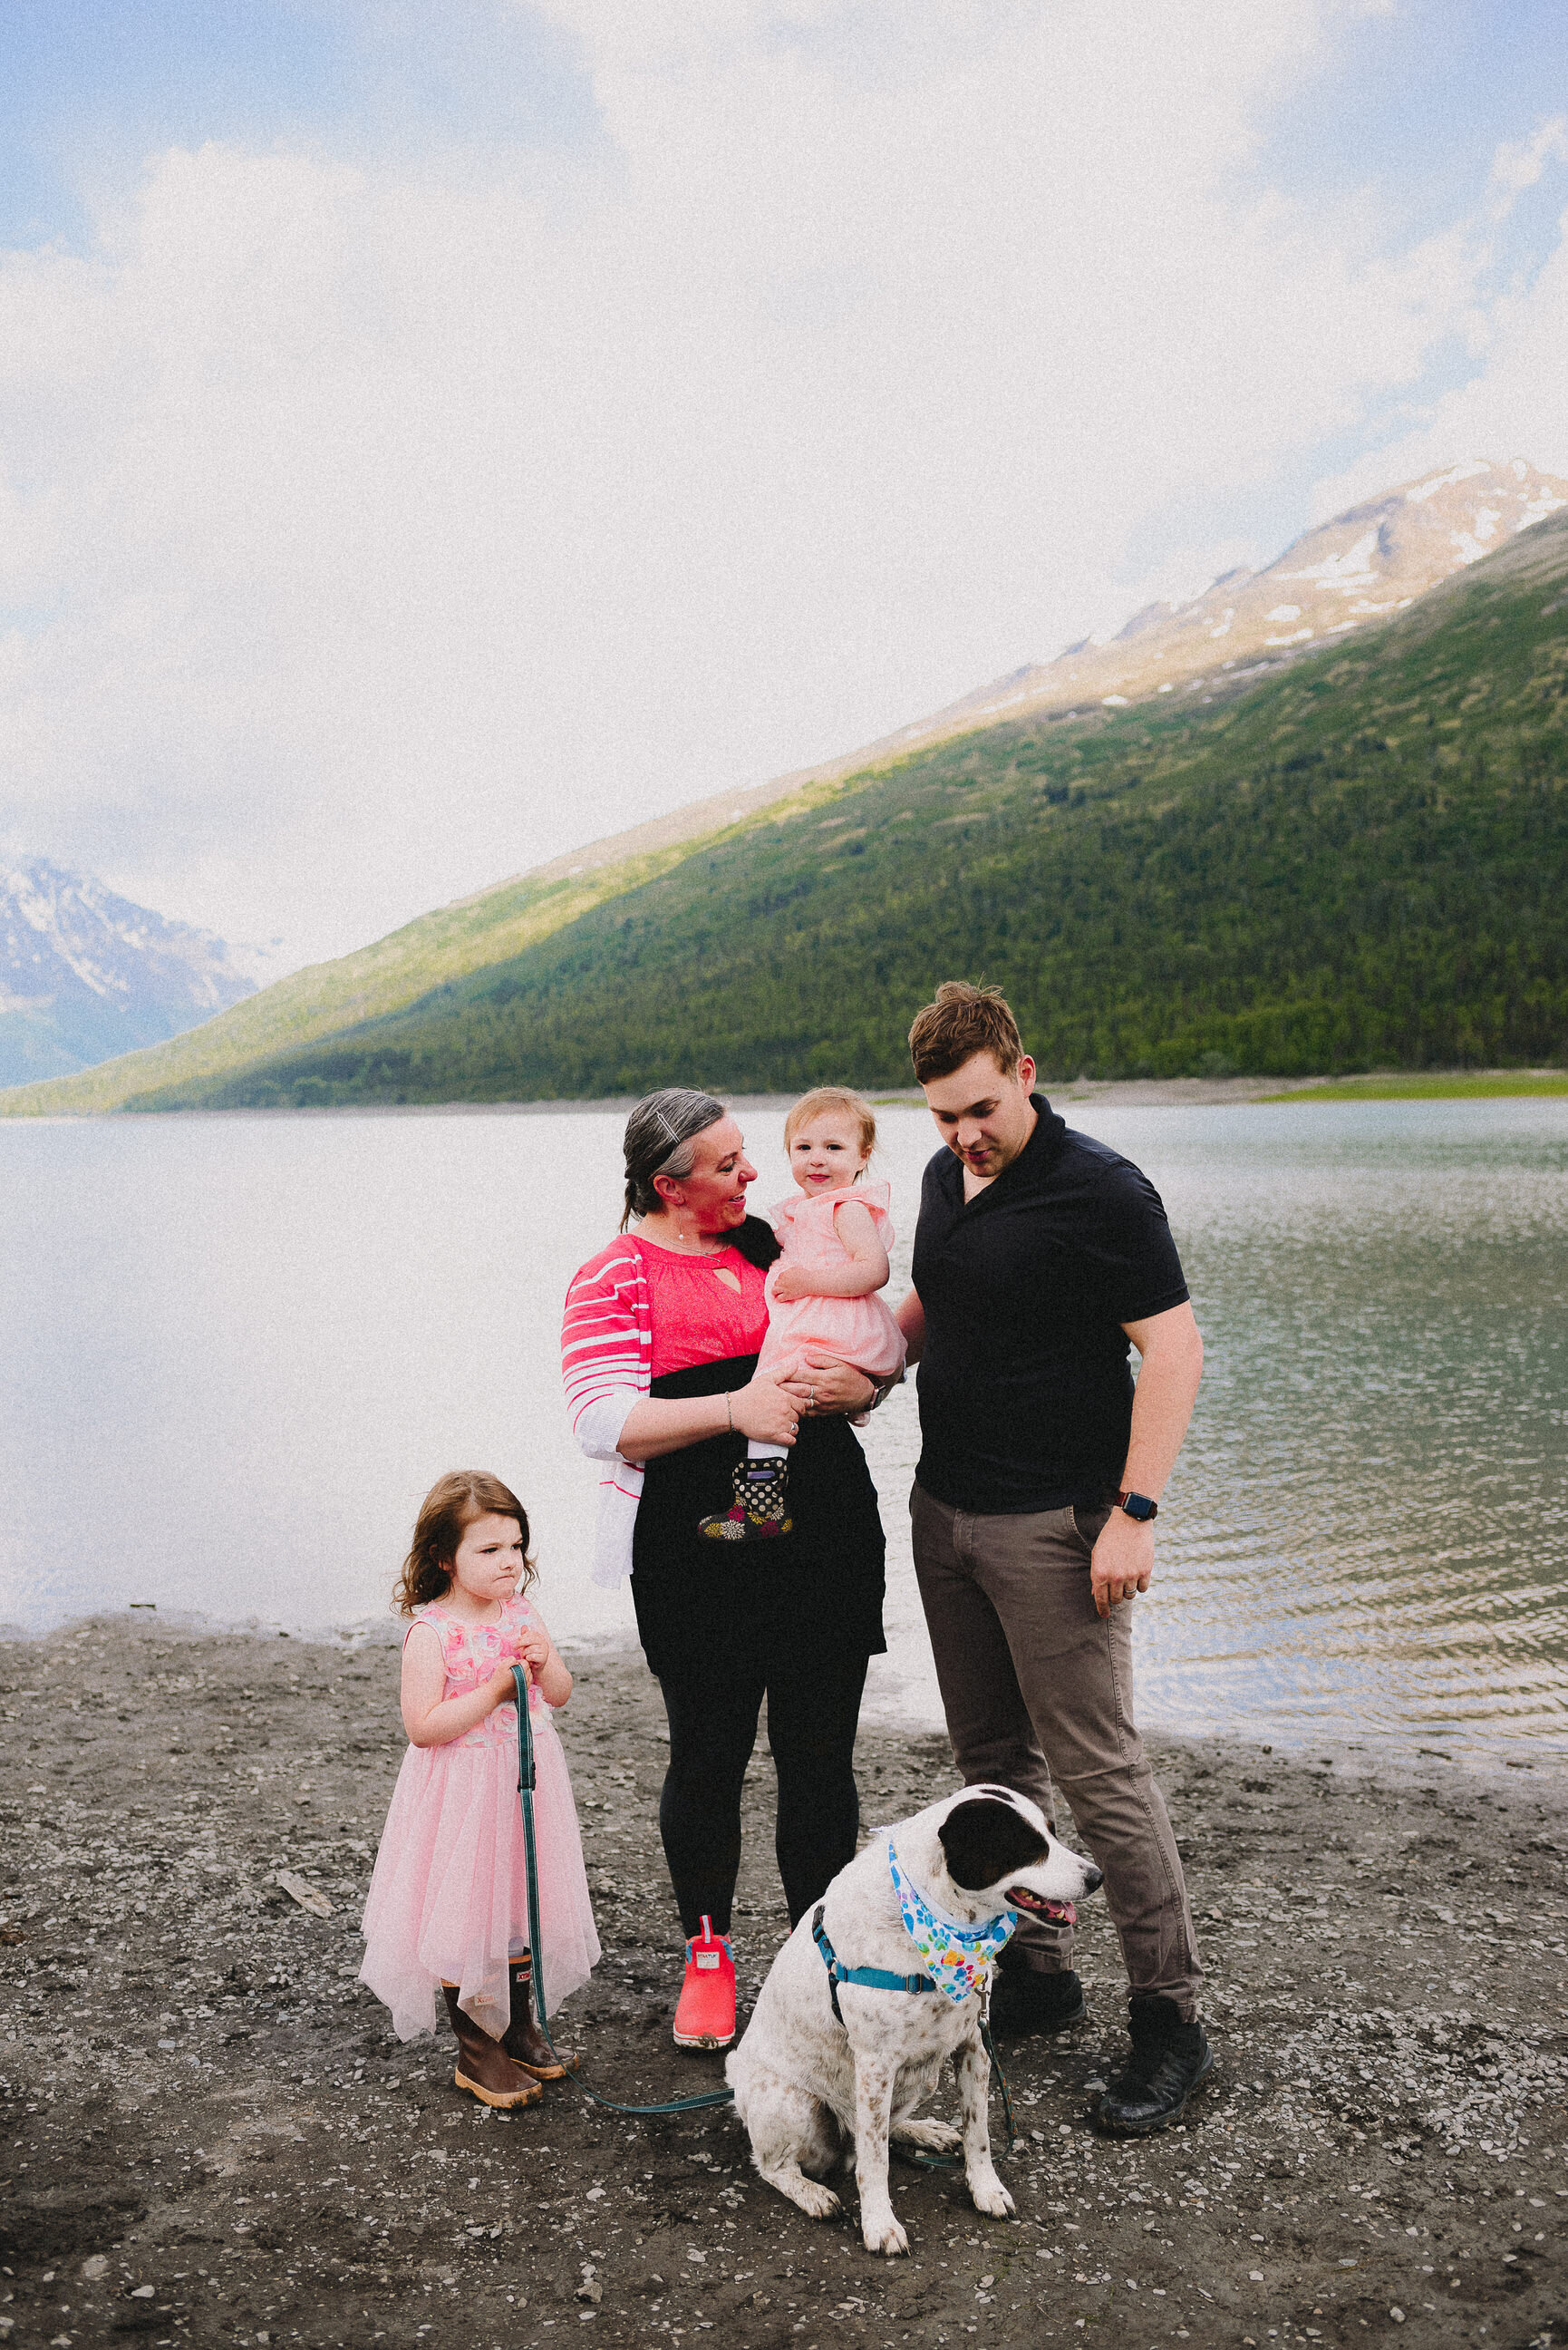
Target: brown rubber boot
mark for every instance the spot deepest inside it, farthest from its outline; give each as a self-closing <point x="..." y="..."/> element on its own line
<point x="483" y="2067"/>
<point x="525" y="2043"/>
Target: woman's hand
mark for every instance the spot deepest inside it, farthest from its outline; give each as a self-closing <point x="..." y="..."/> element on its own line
<point x="791" y="1282"/>
<point x="764" y="1410"/>
<point x="821" y="1384"/>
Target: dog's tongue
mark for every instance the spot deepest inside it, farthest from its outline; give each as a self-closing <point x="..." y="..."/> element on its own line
<point x="1061" y="1913"/>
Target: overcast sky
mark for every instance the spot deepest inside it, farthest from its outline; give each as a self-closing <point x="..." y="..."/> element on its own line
<point x="434" y="434"/>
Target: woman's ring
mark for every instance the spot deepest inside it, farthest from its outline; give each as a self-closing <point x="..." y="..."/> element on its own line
<point x="810" y="1399"/>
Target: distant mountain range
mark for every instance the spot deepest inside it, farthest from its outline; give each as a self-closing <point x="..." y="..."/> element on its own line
<point x="1313" y="819"/>
<point x="1366" y="564"/>
<point x="86" y="975"/>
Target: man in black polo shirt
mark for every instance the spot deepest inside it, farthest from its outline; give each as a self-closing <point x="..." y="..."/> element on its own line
<point x="1039" y="1254"/>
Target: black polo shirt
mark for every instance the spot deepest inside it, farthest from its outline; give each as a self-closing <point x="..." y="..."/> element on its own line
<point x="1026" y="1385"/>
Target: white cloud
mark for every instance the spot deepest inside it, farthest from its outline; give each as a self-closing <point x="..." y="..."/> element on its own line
<point x="1515" y="404"/>
<point x="1520" y="164"/>
<point x="376" y="531"/>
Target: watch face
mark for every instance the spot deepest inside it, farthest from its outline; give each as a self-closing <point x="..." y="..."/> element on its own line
<point x="1139" y="1506"/>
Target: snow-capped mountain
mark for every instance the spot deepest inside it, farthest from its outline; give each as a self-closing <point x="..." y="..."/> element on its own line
<point x="85" y="974"/>
<point x="1366" y="563"/>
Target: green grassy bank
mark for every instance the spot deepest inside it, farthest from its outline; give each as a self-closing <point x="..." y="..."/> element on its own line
<point x="1481" y="1085"/>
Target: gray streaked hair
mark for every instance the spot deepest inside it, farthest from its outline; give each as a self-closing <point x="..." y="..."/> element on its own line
<point x="660" y="1135"/>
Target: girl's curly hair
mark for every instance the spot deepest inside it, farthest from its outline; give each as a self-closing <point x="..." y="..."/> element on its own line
<point x="453" y="1502"/>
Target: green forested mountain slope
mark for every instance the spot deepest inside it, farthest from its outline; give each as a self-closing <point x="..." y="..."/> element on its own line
<point x="1360" y="860"/>
<point x="327" y="997"/>
<point x="453" y="941"/>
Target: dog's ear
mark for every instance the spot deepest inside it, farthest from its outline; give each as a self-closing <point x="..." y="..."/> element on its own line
<point x="985" y="1841"/>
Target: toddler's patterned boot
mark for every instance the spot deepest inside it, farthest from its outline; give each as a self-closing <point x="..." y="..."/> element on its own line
<point x="760" y="1510"/>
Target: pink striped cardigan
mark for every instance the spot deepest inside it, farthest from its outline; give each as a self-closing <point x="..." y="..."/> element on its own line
<point x="607" y="1353"/>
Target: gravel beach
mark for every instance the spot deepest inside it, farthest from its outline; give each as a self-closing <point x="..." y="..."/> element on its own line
<point x="212" y="2136"/>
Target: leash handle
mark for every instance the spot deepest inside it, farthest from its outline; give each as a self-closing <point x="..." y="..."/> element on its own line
<point x="522" y="1681"/>
<point x="525" y="1785"/>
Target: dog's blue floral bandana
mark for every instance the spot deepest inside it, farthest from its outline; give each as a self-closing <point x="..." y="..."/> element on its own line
<point x="957" y="1957"/>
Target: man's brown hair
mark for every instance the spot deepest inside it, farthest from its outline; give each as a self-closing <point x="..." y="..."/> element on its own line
<point x="962" y="1021"/>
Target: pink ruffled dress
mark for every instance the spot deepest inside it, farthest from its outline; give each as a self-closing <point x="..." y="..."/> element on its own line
<point x="449" y="1897"/>
<point x="859" y="1330"/>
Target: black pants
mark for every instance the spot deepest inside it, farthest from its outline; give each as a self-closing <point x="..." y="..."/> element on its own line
<point x="813" y="1705"/>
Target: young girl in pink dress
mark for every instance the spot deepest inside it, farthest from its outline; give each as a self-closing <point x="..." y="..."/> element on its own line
<point x="448" y="1906"/>
<point x="835" y="1232"/>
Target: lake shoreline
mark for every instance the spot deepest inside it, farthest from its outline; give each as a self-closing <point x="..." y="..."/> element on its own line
<point x="1109" y="1093"/>
<point x="209" y="2105"/>
<point x="1372" y="1759"/>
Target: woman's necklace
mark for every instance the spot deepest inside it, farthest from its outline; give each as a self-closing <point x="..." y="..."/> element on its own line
<point x="692" y="1245"/>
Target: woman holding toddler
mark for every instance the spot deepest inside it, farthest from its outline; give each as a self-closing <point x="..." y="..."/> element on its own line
<point x="662" y="1334"/>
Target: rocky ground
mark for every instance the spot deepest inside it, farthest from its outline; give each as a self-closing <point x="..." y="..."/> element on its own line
<point x="209" y="2136"/>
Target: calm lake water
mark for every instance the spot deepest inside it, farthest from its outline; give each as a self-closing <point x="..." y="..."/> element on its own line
<point x="239" y="1349"/>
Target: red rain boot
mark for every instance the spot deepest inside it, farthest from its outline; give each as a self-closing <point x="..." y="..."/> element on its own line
<point x="705" y="2014"/>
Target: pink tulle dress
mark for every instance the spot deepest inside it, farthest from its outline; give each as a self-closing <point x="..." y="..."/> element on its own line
<point x="448" y="1898"/>
<point x="859" y="1330"/>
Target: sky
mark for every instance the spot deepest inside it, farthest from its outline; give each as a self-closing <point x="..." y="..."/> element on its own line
<point x="434" y="436"/>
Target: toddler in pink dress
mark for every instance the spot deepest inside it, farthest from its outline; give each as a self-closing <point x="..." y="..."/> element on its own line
<point x="836" y="1231"/>
<point x="448" y="1906"/>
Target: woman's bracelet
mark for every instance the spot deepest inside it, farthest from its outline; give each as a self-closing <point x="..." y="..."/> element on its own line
<point x="729" y="1411"/>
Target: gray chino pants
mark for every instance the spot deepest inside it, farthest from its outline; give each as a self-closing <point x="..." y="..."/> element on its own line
<point x="1035" y="1686"/>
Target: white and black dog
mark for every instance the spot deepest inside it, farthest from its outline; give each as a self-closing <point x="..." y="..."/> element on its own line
<point x="826" y="2059"/>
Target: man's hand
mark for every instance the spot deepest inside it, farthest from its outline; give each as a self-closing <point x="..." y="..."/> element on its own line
<point x="821" y="1384"/>
<point x="1123" y="1561"/>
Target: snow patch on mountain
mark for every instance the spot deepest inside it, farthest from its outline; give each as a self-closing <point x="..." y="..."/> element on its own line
<point x="85" y="973"/>
<point x="1371" y="561"/>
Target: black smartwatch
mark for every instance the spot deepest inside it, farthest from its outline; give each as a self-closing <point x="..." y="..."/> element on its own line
<point x="1138" y="1506"/>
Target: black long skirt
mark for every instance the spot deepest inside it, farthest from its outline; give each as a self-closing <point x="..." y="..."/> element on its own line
<point x="818" y="1588"/>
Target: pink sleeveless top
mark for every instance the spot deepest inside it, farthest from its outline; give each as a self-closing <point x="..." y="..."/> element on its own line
<point x="472" y="1653"/>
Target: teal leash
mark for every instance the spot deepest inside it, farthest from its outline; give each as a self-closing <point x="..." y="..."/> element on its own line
<point x="710" y="2097"/>
<point x="525" y="1797"/>
<point x="990" y="2047"/>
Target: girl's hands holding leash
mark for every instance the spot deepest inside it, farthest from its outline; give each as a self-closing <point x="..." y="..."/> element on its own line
<point x="432" y="1719"/>
<point x="539" y="1653"/>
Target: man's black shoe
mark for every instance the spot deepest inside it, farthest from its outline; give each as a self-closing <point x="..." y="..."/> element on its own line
<point x="1023" y="1999"/>
<point x="1168" y="2059"/>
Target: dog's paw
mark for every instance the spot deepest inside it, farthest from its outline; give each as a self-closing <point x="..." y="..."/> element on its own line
<point x="929" y="2138"/>
<point x="992" y="2197"/>
<point x="819" y="2202"/>
<point x="884" y="2236"/>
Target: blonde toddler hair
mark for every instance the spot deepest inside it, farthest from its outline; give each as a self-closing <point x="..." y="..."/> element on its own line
<point x="829" y="1098"/>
